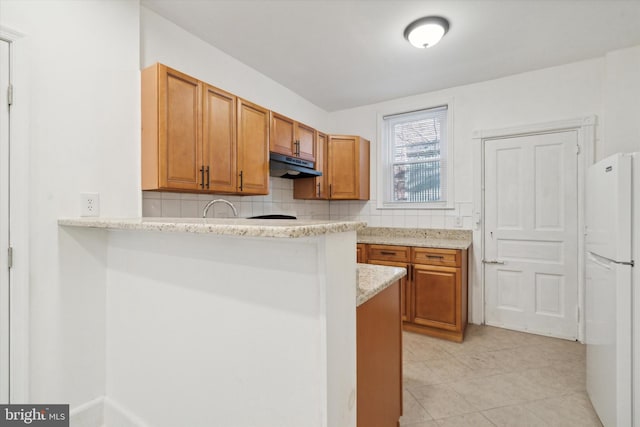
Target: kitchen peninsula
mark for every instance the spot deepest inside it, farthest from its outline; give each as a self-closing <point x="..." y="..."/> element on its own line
<point x="228" y="321"/>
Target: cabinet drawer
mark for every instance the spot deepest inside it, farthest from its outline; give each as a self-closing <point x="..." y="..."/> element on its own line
<point x="389" y="253"/>
<point x="431" y="256"/>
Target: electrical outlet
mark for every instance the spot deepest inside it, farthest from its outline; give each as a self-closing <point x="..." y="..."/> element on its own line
<point x="89" y="204"/>
<point x="458" y="221"/>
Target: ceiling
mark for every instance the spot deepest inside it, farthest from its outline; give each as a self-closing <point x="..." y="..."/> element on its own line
<point x="340" y="54"/>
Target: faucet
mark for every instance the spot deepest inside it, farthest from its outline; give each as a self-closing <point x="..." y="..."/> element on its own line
<point x="211" y="203"/>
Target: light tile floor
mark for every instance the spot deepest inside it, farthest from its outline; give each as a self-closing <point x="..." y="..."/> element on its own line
<point x="496" y="377"/>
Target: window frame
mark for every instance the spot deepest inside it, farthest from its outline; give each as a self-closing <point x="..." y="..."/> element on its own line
<point x="384" y="163"/>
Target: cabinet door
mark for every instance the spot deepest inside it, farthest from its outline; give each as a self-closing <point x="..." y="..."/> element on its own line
<point x="315" y="188"/>
<point x="379" y="360"/>
<point x="343" y="168"/>
<point x="436" y="297"/>
<point x="179" y="130"/>
<point x="321" y="165"/>
<point x="405" y="287"/>
<point x="282" y="134"/>
<point x="219" y="140"/>
<point x="306" y="138"/>
<point x="361" y="253"/>
<point x="253" y="148"/>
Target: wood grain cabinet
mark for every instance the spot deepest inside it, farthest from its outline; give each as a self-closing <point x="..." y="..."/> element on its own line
<point x="198" y="138"/>
<point x="379" y="360"/>
<point x="344" y="163"/>
<point x="315" y="188"/>
<point x="253" y="149"/>
<point x="292" y="138"/>
<point x="171" y="130"/>
<point x="434" y="293"/>
<point x="348" y="167"/>
<point x="361" y="253"/>
<point x="394" y="256"/>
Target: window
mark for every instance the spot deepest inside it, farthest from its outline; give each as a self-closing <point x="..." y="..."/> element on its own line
<point x="414" y="160"/>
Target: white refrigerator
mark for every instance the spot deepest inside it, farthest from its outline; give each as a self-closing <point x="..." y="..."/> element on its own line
<point x="612" y="306"/>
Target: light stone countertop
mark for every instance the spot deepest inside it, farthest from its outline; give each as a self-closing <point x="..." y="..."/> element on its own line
<point x="220" y="226"/>
<point x="419" y="237"/>
<point x="373" y="279"/>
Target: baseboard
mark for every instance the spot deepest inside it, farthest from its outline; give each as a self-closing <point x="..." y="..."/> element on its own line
<point x="103" y="412"/>
<point x="89" y="414"/>
<point x="116" y="415"/>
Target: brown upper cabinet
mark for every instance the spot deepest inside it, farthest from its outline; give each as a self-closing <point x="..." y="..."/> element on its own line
<point x="315" y="188"/>
<point x="171" y="130"/>
<point x="253" y="148"/>
<point x="219" y="142"/>
<point x="344" y="162"/>
<point x="291" y="138"/>
<point x="348" y="167"/>
<point x="198" y="138"/>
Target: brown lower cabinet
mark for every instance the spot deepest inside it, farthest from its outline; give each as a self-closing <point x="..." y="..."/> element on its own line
<point x="379" y="360"/>
<point x="434" y="292"/>
<point x="361" y="252"/>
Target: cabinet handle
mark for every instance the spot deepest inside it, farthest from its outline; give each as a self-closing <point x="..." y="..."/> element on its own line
<point x="297" y="145"/>
<point x="387" y="253"/>
<point x="202" y="177"/>
<point x="208" y="177"/>
<point x="435" y="256"/>
<point x="241" y="180"/>
<point x="330" y="191"/>
<point x="318" y="190"/>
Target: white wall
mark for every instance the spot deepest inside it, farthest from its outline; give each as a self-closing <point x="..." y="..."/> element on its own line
<point x="79" y="92"/>
<point x="208" y="330"/>
<point x="165" y="42"/>
<point x="563" y="92"/>
<point x="621" y="103"/>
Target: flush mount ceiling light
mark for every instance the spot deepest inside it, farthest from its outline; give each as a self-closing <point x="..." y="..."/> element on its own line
<point x="427" y="31"/>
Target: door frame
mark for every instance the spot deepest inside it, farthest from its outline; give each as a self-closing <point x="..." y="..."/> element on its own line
<point x="19" y="217"/>
<point x="585" y="129"/>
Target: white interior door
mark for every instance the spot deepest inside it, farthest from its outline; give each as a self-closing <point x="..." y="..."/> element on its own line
<point x="4" y="222"/>
<point x="530" y="235"/>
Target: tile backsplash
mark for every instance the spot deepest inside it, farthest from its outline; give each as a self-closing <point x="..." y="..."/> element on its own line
<point x="280" y="200"/>
<point x="190" y="205"/>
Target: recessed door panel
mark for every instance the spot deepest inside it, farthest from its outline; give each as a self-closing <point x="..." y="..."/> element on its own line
<point x="508" y="188"/>
<point x="549" y="187"/>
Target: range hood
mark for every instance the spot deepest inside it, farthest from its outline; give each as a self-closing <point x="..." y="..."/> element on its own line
<point x="290" y="167"/>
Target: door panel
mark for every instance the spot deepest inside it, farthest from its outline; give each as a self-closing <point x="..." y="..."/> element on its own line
<point x="282" y="134"/>
<point x="405" y="286"/>
<point x="179" y="137"/>
<point x="531" y="227"/>
<point x="307" y="140"/>
<point x="219" y="139"/>
<point x="436" y="297"/>
<point x="253" y="148"/>
<point x="343" y="156"/>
